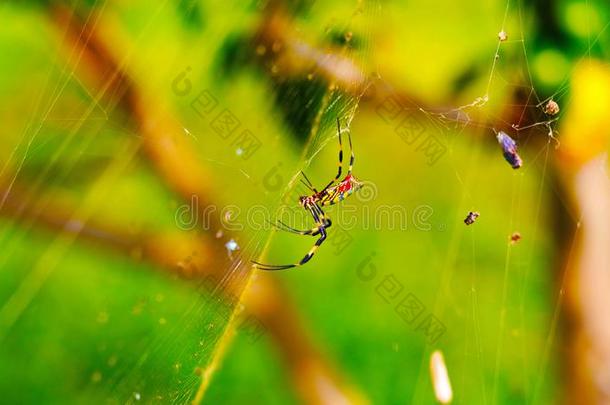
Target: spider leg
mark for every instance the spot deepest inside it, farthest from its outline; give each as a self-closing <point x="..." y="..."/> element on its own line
<point x="308" y="183"/>
<point x="269" y="267"/>
<point x="318" y="216"/>
<point x="313" y="231"/>
<point x="284" y="227"/>
<point x="315" y="247"/>
<point x="322" y="223"/>
<point x="338" y="176"/>
<point x="305" y="259"/>
<point x="351" y="149"/>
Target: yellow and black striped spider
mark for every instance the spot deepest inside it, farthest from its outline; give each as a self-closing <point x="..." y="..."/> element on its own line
<point x="334" y="192"/>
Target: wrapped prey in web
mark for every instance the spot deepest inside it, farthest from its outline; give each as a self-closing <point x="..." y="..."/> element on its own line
<point x="509" y="150"/>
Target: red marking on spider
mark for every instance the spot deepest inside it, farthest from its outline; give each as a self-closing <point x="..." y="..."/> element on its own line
<point x="334" y="192"/>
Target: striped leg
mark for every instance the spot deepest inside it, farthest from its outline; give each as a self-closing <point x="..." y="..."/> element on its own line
<point x="318" y="216"/>
<point x="338" y="176"/>
<point x="313" y="232"/>
<point x="305" y="259"/>
<point x="351" y="149"/>
<point x="315" y="247"/>
<point x="321" y="224"/>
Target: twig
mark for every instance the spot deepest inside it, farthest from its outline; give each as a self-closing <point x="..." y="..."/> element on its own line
<point x="183" y="173"/>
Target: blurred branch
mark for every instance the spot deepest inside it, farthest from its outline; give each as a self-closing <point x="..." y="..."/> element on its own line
<point x="316" y="379"/>
<point x="264" y="299"/>
<point x="170" y="153"/>
<point x="584" y="274"/>
<point x="173" y="159"/>
<point x="165" y="251"/>
<point x="283" y="54"/>
<point x="589" y="288"/>
<point x="585" y="178"/>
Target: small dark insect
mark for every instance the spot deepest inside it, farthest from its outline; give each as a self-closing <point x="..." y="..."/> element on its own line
<point x="509" y="150"/>
<point x="471" y="217"/>
<point x="515" y="237"/>
<point x="329" y="195"/>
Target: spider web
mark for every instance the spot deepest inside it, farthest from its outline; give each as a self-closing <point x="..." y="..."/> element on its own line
<point x="538" y="371"/>
<point x="170" y="335"/>
<point x="145" y="336"/>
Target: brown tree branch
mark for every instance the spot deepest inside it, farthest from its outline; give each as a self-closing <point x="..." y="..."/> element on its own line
<point x="283" y="54"/>
<point x="585" y="177"/>
<point x="182" y="172"/>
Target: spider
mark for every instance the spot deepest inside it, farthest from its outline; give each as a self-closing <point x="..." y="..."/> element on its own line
<point x="334" y="192"/>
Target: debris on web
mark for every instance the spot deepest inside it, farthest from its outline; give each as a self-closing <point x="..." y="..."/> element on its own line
<point x="440" y="378"/>
<point x="231" y="246"/>
<point x="509" y="150"/>
<point x="471" y="217"/>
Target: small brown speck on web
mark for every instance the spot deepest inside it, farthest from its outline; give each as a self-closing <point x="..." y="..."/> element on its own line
<point x="551" y="108"/>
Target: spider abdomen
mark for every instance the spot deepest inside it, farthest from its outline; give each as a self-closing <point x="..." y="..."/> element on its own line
<point x="333" y="193"/>
<point x="340" y="192"/>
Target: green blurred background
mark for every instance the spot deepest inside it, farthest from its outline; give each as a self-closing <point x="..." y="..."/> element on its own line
<point x="80" y="323"/>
